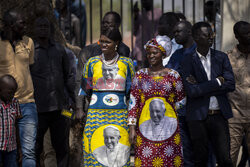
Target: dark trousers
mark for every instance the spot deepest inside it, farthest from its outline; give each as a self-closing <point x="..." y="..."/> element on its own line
<point x="186" y="142"/>
<point x="8" y="159"/>
<point x="59" y="131"/>
<point x="215" y="129"/>
<point x="245" y="155"/>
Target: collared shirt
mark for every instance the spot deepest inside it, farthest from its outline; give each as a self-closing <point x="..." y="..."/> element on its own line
<point x="175" y="46"/>
<point x="16" y="63"/>
<point x="206" y="62"/>
<point x="8" y="115"/>
<point x="240" y="98"/>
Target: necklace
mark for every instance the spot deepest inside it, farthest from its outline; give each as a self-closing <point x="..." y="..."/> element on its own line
<point x="160" y="72"/>
<point x="110" y="62"/>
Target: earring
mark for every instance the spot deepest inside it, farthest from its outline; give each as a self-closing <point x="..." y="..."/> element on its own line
<point x="115" y="47"/>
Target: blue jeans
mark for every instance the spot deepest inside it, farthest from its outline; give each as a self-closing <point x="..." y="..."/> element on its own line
<point x="8" y="158"/>
<point x="27" y="131"/>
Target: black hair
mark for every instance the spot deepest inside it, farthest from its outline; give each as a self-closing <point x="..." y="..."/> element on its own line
<point x="188" y="25"/>
<point x="116" y="16"/>
<point x="181" y="16"/>
<point x="59" y="3"/>
<point x="168" y="18"/>
<point x="210" y="9"/>
<point x="238" y="25"/>
<point x="9" y="78"/>
<point x="197" y="26"/>
<point x="112" y="33"/>
<point x="209" y="3"/>
<point x="10" y="17"/>
<point x="212" y="4"/>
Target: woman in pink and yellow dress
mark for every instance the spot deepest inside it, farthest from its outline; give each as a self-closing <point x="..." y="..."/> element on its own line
<point x="156" y="93"/>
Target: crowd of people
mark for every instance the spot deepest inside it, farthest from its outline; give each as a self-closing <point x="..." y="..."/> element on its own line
<point x="186" y="105"/>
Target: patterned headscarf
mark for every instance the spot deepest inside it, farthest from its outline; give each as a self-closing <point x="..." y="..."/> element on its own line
<point x="161" y="42"/>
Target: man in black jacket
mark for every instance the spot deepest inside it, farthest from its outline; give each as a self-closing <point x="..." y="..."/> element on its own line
<point x="110" y="20"/>
<point x="207" y="77"/>
<point x="51" y="74"/>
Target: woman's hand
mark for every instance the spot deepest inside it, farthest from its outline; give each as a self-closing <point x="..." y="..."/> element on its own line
<point x="132" y="134"/>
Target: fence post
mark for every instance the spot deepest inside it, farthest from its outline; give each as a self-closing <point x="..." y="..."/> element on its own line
<point x="194" y="11"/>
<point x="100" y="14"/>
<point x="111" y="5"/>
<point x="132" y="26"/>
<point x="121" y="8"/>
<point x="90" y="20"/>
<point x="173" y="5"/>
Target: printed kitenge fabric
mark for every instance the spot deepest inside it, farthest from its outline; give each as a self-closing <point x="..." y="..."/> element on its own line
<point x="106" y="138"/>
<point x="152" y="108"/>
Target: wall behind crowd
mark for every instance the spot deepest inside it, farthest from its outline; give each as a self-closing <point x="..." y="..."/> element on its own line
<point x="233" y="11"/>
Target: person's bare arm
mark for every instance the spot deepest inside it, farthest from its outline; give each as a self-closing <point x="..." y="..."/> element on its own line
<point x="132" y="134"/>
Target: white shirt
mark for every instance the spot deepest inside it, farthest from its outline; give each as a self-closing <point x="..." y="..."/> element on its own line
<point x="175" y="46"/>
<point x="206" y="62"/>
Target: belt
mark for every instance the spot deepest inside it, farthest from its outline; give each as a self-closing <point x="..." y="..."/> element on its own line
<point x="212" y="112"/>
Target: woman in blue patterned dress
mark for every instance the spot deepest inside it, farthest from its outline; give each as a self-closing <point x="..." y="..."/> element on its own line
<point x="108" y="79"/>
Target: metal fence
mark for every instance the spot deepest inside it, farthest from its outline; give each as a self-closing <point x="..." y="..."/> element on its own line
<point x="192" y="9"/>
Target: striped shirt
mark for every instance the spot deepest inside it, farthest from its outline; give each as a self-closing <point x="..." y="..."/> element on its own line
<point x="8" y="115"/>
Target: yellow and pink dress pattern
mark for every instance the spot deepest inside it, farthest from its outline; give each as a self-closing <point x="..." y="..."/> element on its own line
<point x="152" y="108"/>
<point x="105" y="137"/>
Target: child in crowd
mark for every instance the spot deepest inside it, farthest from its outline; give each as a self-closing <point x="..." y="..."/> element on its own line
<point x="9" y="113"/>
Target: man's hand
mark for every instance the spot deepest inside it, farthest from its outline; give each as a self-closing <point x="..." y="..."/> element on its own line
<point x="191" y="79"/>
<point x="79" y="114"/>
<point x="222" y="80"/>
<point x="132" y="134"/>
